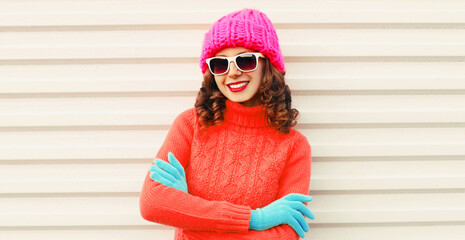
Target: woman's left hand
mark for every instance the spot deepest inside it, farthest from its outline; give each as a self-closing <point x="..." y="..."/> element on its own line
<point x="169" y="174"/>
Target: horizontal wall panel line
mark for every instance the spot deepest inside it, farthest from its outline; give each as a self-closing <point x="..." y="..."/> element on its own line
<point x="92" y="61"/>
<point x="4" y="161"/>
<point x="317" y="74"/>
<point x="145" y="17"/>
<point x="382" y="83"/>
<point x="89" y="86"/>
<point x="92" y="185"/>
<point x="102" y="94"/>
<point x="304" y="126"/>
<point x="208" y="8"/>
<point x="195" y="59"/>
<point x="345" y="119"/>
<point x="206" y="26"/>
<point x="51" y="152"/>
<point x="153" y="60"/>
<point x="71" y="195"/>
<point x="391" y="224"/>
<point x="207" y="17"/>
<point x="77" y="152"/>
<point x="403" y="50"/>
<point x="193" y="94"/>
<point x="332" y="40"/>
<point x="312" y="225"/>
<point x="183" y="50"/>
<point x="150" y="27"/>
<point x="153" y="226"/>
<point x="312" y="192"/>
<point x="391" y="216"/>
<point x="87" y="128"/>
<point x="90" y="128"/>
<point x="388" y="158"/>
<point x="382" y="191"/>
<point x="110" y="161"/>
<point x="339" y="217"/>
<point x="379" y="92"/>
<point x="174" y="85"/>
<point x="407" y="149"/>
<point x="70" y="186"/>
<point x="387" y="183"/>
<point x="71" y="219"/>
<point x="300" y="126"/>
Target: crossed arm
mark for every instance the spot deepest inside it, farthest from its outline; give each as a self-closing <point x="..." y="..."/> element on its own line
<point x="287" y="210"/>
<point x="165" y="197"/>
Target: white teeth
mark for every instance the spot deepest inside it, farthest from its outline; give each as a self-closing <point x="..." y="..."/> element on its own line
<point x="238" y="85"/>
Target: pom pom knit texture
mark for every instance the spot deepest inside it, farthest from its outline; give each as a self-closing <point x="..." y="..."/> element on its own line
<point x="247" y="28"/>
<point x="240" y="165"/>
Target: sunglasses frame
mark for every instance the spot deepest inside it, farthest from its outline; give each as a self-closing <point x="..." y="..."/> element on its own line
<point x="233" y="59"/>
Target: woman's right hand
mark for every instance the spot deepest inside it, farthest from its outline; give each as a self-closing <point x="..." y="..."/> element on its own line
<point x="169" y="174"/>
<point x="286" y="210"/>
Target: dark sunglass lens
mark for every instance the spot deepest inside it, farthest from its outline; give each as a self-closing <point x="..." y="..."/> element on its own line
<point x="218" y="65"/>
<point x="246" y="62"/>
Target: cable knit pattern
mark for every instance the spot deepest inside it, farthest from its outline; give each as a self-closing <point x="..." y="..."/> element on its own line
<point x="247" y="28"/>
<point x="239" y="165"/>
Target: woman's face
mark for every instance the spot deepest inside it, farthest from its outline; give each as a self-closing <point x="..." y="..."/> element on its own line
<point x="248" y="96"/>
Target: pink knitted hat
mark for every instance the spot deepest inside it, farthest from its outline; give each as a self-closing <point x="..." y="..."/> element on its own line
<point x="247" y="28"/>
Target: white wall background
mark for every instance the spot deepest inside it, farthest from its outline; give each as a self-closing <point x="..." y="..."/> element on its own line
<point x="89" y="88"/>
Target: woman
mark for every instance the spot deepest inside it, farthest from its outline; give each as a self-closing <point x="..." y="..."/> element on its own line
<point x="236" y="168"/>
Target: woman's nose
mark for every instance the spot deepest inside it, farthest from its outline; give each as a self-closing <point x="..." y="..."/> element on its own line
<point x="233" y="70"/>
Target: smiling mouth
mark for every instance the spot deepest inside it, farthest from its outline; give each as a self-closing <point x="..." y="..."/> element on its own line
<point x="237" y="84"/>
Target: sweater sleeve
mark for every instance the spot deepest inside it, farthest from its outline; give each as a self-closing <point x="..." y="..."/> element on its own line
<point x="172" y="207"/>
<point x="295" y="179"/>
<point x="296" y="174"/>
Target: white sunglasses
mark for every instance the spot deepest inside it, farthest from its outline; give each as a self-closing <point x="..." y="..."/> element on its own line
<point x="246" y="62"/>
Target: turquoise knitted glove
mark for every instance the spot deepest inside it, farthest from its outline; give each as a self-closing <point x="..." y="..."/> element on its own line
<point x="286" y="210"/>
<point x="170" y="175"/>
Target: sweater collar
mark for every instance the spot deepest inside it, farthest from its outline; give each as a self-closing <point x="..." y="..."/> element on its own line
<point x="245" y="116"/>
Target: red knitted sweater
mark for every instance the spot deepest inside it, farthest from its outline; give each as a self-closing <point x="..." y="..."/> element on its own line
<point x="239" y="165"/>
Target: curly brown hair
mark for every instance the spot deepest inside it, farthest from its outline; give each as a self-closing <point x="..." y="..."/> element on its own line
<point x="275" y="95"/>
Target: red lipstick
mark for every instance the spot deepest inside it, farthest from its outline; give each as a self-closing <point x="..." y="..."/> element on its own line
<point x="238" y="89"/>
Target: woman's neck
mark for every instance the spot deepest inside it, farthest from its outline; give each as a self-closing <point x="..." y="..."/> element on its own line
<point x="239" y="114"/>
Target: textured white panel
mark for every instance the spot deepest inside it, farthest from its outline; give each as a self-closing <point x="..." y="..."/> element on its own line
<point x="417" y="73"/>
<point x="399" y="232"/>
<point x="345" y="142"/>
<point x="165" y="118"/>
<point x="71" y="211"/>
<point x="95" y="233"/>
<point x="392" y="174"/>
<point x="160" y="77"/>
<point x="388" y="232"/>
<point x="69" y="178"/>
<point x="156" y="12"/>
<point x="89" y="88"/>
<point x="182" y="44"/>
<point x="148" y="51"/>
<point x="333" y="37"/>
<point x="162" y="110"/>
<point x="119" y="111"/>
<point x="335" y="209"/>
